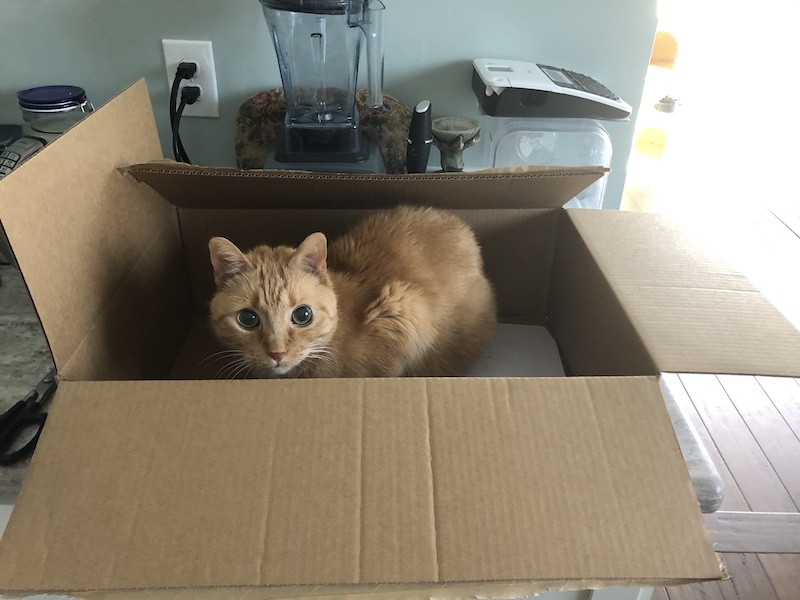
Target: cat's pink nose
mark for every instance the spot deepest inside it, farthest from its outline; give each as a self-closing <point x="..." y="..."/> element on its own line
<point x="277" y="356"/>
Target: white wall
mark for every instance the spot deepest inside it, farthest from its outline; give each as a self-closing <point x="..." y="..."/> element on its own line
<point x="104" y="45"/>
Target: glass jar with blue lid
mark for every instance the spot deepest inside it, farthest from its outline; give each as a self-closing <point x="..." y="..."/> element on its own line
<point x="67" y="101"/>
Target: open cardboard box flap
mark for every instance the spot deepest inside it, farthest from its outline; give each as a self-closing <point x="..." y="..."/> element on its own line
<point x="689" y="309"/>
<point x="160" y="484"/>
<point x="489" y="485"/>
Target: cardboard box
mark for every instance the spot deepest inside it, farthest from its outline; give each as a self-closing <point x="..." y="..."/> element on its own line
<point x="149" y="479"/>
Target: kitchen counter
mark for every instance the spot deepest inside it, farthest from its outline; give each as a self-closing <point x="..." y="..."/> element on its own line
<point x="25" y="359"/>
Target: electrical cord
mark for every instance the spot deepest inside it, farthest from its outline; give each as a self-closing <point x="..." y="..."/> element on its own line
<point x="185" y="70"/>
<point x="189" y="95"/>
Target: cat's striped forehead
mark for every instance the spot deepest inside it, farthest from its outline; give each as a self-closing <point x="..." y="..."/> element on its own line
<point x="270" y="279"/>
<point x="272" y="284"/>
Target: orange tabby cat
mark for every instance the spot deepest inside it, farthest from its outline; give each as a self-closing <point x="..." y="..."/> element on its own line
<point x="402" y="294"/>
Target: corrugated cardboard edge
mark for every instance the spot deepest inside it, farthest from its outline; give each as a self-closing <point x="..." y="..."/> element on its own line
<point x="471" y="591"/>
<point x="168" y="165"/>
<point x="189" y="186"/>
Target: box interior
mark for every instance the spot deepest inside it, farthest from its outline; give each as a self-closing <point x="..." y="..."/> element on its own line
<point x="522" y="287"/>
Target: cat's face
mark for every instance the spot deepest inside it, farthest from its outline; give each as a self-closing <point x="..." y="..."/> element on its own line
<point x="274" y="305"/>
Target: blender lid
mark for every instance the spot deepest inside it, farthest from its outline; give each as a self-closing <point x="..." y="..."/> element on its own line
<point x="51" y="96"/>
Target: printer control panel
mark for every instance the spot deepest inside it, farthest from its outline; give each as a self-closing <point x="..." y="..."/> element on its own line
<point x="526" y="89"/>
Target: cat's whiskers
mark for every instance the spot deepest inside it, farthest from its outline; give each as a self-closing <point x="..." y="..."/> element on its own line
<point x="233" y="360"/>
<point x="241" y="368"/>
<point x="221" y="355"/>
<point x="319" y="348"/>
<point x="261" y="372"/>
<point x="320" y="353"/>
<point x="222" y="373"/>
<point x="230" y="370"/>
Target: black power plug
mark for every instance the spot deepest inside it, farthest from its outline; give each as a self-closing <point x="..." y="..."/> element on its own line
<point x="185" y="70"/>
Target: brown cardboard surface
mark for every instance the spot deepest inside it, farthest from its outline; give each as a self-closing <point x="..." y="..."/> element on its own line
<point x="692" y="311"/>
<point x="593" y="329"/>
<point x="142" y="328"/>
<point x="202" y="187"/>
<point x="84" y="235"/>
<point x="331" y="482"/>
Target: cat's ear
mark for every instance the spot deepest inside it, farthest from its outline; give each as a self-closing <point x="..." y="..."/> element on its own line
<point x="226" y="259"/>
<point x="311" y="256"/>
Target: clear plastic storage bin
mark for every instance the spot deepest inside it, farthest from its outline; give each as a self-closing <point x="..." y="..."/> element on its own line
<point x="554" y="142"/>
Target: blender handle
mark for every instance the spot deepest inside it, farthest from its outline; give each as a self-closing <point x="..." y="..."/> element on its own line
<point x="372" y="26"/>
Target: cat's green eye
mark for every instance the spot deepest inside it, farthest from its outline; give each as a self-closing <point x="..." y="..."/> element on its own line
<point x="247" y="318"/>
<point x="302" y="315"/>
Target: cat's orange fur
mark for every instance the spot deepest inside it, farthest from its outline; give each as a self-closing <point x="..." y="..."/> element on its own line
<point x="402" y="294"/>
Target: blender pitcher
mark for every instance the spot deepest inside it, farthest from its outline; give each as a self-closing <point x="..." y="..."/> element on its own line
<point x="318" y="44"/>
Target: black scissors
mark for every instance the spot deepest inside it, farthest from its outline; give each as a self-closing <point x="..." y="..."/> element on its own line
<point x="27" y="413"/>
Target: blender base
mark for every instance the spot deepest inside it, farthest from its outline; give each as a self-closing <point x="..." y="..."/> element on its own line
<point x="373" y="163"/>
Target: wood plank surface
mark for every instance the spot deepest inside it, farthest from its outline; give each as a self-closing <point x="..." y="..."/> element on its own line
<point x="748" y="579"/>
<point x="775" y="438"/>
<point x="733" y="440"/>
<point x="754" y="532"/>
<point x="659" y="594"/>
<point x="755" y="477"/>
<point x="784" y="392"/>
<point x="784" y="573"/>
<point x="788" y="215"/>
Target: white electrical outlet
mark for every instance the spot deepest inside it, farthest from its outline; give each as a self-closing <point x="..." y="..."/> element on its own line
<point x="177" y="51"/>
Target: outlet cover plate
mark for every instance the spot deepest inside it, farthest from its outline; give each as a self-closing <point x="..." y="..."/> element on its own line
<point x="201" y="52"/>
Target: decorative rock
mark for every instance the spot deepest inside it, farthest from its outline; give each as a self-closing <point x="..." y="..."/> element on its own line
<point x="452" y="135"/>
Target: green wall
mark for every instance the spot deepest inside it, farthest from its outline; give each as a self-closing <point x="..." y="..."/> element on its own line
<point x="104" y="45"/>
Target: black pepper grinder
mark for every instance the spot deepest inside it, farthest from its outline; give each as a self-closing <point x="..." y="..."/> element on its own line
<point x="420" y="138"/>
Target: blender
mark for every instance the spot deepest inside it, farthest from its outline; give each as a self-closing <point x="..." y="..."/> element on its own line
<point x="318" y="45"/>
